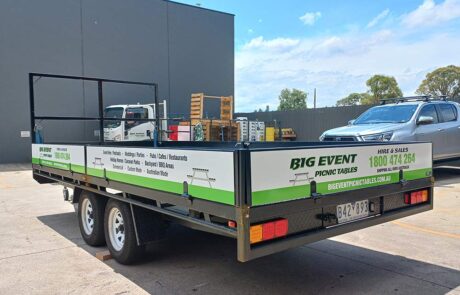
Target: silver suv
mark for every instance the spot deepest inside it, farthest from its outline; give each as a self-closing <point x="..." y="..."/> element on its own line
<point x="407" y="119"/>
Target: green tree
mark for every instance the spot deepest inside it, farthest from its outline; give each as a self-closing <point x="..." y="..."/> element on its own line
<point x="353" y="99"/>
<point x="267" y="108"/>
<point x="380" y="87"/>
<point x="292" y="100"/>
<point x="442" y="81"/>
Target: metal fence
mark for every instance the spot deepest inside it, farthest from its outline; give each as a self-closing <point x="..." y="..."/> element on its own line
<point x="310" y="123"/>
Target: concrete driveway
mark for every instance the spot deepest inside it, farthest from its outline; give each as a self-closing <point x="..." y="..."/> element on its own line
<point x="41" y="252"/>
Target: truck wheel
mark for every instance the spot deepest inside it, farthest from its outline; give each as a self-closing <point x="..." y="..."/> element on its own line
<point x="91" y="218"/>
<point x="120" y="233"/>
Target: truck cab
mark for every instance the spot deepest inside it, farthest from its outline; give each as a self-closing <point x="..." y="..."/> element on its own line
<point x="135" y="129"/>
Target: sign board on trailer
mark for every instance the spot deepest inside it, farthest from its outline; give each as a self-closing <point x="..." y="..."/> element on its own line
<point x="285" y="175"/>
<point x="276" y="175"/>
<point x="66" y="157"/>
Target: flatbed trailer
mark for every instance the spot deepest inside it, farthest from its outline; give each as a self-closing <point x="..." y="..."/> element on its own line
<point x="269" y="197"/>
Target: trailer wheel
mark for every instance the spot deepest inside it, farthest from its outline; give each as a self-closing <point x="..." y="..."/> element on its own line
<point x="120" y="233"/>
<point x="91" y="218"/>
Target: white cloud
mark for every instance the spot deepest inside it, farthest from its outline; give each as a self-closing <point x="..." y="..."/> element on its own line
<point x="274" y="44"/>
<point x="430" y="13"/>
<point x="310" y="18"/>
<point x="335" y="65"/>
<point x="378" y="18"/>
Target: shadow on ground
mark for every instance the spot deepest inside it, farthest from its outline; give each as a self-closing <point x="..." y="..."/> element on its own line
<point x="15" y="167"/>
<point x="193" y="262"/>
<point x="446" y="175"/>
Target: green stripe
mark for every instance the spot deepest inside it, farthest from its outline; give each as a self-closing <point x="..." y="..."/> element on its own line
<point x="280" y="194"/>
<point x="417" y="174"/>
<point x="95" y="172"/>
<point x="211" y="194"/>
<point x="59" y="165"/>
<point x="54" y="164"/>
<point x="303" y="191"/>
<point x="78" y="168"/>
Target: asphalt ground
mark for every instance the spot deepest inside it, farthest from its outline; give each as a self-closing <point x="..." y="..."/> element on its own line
<point x="41" y="252"/>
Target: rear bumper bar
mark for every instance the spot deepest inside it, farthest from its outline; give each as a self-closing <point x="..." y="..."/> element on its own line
<point x="306" y="207"/>
<point x="314" y="236"/>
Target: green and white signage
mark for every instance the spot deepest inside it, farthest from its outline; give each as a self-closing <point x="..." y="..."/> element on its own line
<point x="276" y="176"/>
<point x="209" y="174"/>
<point x="65" y="157"/>
<point x="284" y="175"/>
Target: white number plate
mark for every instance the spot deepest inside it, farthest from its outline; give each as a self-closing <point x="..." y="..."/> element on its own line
<point x="351" y="211"/>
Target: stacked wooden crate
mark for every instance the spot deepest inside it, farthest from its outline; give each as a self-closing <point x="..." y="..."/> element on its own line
<point x="214" y="128"/>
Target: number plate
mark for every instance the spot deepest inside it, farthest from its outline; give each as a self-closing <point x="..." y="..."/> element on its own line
<point x="351" y="211"/>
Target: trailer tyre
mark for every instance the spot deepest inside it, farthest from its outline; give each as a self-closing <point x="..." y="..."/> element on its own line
<point x="91" y="218"/>
<point x="120" y="233"/>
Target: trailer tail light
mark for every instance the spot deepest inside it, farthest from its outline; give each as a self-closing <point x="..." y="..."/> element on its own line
<point x="425" y="196"/>
<point x="416" y="197"/>
<point x="231" y="224"/>
<point x="267" y="231"/>
<point x="255" y="234"/>
<point x="281" y="228"/>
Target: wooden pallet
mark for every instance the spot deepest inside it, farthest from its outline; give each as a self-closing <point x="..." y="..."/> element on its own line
<point x="197" y="106"/>
<point x="226" y="108"/>
<point x="212" y="129"/>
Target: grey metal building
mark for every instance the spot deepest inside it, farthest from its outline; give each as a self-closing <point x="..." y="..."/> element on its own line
<point x="183" y="48"/>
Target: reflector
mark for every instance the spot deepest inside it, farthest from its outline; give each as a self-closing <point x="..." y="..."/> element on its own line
<point x="231" y="223"/>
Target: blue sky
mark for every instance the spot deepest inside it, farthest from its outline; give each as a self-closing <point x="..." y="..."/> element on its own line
<point x="335" y="46"/>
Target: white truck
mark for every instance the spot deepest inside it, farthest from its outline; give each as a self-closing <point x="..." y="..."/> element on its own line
<point x="142" y="125"/>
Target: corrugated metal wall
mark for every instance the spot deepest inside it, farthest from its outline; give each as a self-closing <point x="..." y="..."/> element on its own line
<point x="310" y="123"/>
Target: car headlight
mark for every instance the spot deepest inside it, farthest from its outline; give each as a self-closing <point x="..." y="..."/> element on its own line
<point x="378" y="137"/>
<point x="117" y="138"/>
<point x="321" y="138"/>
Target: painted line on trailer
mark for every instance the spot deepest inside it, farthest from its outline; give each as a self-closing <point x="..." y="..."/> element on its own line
<point x="426" y="230"/>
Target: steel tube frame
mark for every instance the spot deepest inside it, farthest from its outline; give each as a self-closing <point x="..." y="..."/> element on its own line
<point x="101" y="117"/>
